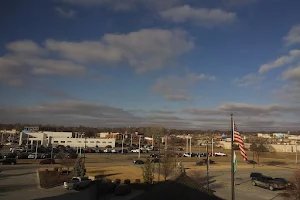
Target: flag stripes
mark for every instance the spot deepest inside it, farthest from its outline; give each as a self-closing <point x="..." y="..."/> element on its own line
<point x="238" y="139"/>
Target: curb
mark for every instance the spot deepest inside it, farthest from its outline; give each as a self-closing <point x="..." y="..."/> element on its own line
<point x="38" y="180"/>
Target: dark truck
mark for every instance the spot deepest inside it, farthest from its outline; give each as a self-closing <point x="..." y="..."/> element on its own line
<point x="267" y="182"/>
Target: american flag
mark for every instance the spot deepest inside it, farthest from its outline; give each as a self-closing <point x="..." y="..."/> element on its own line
<point x="238" y="139"/>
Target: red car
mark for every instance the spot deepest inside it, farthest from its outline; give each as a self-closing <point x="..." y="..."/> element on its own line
<point x="47" y="161"/>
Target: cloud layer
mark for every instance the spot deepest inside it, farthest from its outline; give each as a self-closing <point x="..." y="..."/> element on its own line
<point x="143" y="50"/>
<point x="75" y="113"/>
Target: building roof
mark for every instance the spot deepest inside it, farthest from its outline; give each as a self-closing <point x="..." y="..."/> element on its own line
<point x="183" y="187"/>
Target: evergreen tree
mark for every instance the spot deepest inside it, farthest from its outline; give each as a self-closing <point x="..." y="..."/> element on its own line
<point x="79" y="168"/>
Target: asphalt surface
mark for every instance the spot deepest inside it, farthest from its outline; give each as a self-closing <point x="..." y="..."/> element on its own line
<point x="20" y="182"/>
<point x="243" y="188"/>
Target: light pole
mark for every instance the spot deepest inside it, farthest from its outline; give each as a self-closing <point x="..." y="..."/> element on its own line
<point x="207" y="166"/>
<point x="212" y="147"/>
<point x="122" y="142"/>
<point x="139" y="146"/>
<point x="296" y="152"/>
<point x="191" y="146"/>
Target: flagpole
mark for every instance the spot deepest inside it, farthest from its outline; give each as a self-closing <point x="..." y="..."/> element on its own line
<point x="232" y="159"/>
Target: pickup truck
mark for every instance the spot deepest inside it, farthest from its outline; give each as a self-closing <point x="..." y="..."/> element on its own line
<point x="268" y="182"/>
<point x="77" y="183"/>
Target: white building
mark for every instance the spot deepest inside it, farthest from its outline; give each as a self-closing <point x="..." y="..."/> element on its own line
<point x="47" y="138"/>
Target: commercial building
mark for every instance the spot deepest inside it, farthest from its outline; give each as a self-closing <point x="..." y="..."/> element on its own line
<point x="47" y="138"/>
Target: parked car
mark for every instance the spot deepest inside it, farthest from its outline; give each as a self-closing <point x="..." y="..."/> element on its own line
<point x="135" y="150"/>
<point x="220" y="154"/>
<point x="138" y="162"/>
<point x="47" y="161"/>
<point x="8" y="161"/>
<point x="33" y="155"/>
<point x="186" y="155"/>
<point x="283" y="180"/>
<point x="77" y="183"/>
<point x="268" y="182"/>
<point x="255" y="175"/>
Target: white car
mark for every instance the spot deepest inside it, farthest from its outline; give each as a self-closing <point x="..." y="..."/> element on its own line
<point x="77" y="183"/>
<point x="113" y="151"/>
<point x="106" y="150"/>
<point x="135" y="150"/>
<point x="220" y="154"/>
<point x="187" y="155"/>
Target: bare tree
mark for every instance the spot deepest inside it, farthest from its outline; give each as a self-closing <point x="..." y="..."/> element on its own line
<point x="293" y="191"/>
<point x="258" y="147"/>
<point x="148" y="169"/>
<point x="67" y="163"/>
<point x="167" y="165"/>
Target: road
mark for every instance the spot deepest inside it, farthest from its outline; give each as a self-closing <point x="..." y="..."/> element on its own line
<point x="243" y="188"/>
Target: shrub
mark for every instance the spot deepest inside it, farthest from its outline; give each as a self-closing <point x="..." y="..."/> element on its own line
<point x="127" y="181"/>
<point x="118" y="181"/>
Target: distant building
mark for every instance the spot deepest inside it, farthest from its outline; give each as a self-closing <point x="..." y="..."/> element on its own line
<point x="47" y="138"/>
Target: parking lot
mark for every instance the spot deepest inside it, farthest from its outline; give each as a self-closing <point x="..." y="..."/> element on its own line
<point x="20" y="182"/>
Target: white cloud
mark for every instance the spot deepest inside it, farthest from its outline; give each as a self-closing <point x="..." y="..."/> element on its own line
<point x="177" y="88"/>
<point x="293" y="36"/>
<point x="127" y="5"/>
<point x="281" y="61"/>
<point x="65" y="13"/>
<point x="200" y="16"/>
<point x="249" y="80"/>
<point x="292" y="74"/>
<point x="291" y="91"/>
<point x="55" y="67"/>
<point x="24" y="47"/>
<point x="144" y="50"/>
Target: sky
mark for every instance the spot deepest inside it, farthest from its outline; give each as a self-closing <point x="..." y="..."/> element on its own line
<point x="185" y="64"/>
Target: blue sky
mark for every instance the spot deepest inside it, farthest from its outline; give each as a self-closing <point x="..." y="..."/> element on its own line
<point x="176" y="63"/>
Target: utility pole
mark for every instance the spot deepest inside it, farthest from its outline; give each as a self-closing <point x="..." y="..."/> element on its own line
<point x="187" y="144"/>
<point x="296" y="152"/>
<point x="232" y="159"/>
<point x="36" y="149"/>
<point x="139" y="146"/>
<point x="51" y="151"/>
<point x="27" y="142"/>
<point x="191" y="146"/>
<point x="122" y="142"/>
<point x="207" y="167"/>
<point x="84" y="149"/>
<point x="212" y="147"/>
